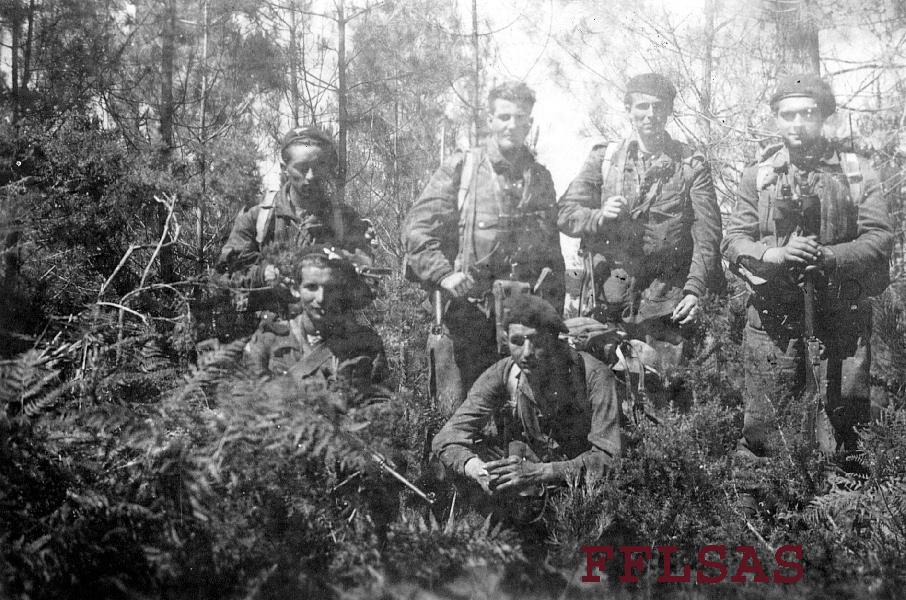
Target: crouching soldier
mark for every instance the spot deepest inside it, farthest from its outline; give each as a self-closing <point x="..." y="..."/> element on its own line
<point x="551" y="411"/>
<point x="323" y="347"/>
<point x="812" y="236"/>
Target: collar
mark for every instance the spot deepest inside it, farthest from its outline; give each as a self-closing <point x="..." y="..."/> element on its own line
<point x="778" y="157"/>
<point x="522" y="160"/>
<point x="633" y="147"/>
<point x="283" y="205"/>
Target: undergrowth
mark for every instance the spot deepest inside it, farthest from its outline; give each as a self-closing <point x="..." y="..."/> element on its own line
<point x="201" y="481"/>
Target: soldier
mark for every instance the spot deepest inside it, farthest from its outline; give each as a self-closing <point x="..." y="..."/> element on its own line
<point x="554" y="408"/>
<point x="301" y="212"/>
<point x="647" y="214"/>
<point x="323" y="345"/>
<point x="805" y="206"/>
<point x="487" y="214"/>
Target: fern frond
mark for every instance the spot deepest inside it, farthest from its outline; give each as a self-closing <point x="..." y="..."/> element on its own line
<point x="213" y="367"/>
<point x="31" y="381"/>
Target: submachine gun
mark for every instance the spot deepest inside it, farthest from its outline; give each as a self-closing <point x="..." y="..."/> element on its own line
<point x="801" y="214"/>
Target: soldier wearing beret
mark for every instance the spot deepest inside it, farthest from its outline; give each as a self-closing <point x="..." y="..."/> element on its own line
<point x="553" y="410"/>
<point x="804" y="205"/>
<point x="647" y="214"/>
<point x="301" y="212"/>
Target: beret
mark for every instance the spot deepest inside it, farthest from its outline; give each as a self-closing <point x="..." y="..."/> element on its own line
<point x="311" y="135"/>
<point x="809" y="85"/>
<point x="532" y="311"/>
<point x="652" y="83"/>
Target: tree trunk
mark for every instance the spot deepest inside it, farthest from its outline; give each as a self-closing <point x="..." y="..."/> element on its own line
<point x="797" y="34"/>
<point x="29" y="36"/>
<point x="342" y="123"/>
<point x="168" y="52"/>
<point x="202" y="197"/>
<point x="293" y="65"/>
<point x="476" y="84"/>
<point x="707" y="70"/>
<point x="14" y="26"/>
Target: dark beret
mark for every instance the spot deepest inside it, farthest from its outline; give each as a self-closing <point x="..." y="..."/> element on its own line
<point x="306" y="135"/>
<point x="652" y="83"/>
<point x="806" y="84"/>
<point x="532" y="311"/>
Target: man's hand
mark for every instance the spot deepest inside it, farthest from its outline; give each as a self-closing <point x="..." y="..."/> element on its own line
<point x="271" y="275"/>
<point x="457" y="284"/>
<point x="612" y="209"/>
<point x="515" y="473"/>
<point x="477" y="470"/>
<point x="800" y="250"/>
<point x="687" y="310"/>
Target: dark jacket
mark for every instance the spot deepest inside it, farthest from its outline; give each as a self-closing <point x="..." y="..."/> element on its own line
<point x="857" y="233"/>
<point x="675" y="228"/>
<point x="240" y="255"/>
<point x="579" y="428"/>
<point x="349" y="352"/>
<point x="508" y="218"/>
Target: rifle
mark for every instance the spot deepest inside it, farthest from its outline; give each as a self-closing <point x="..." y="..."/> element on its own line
<point x="382" y="462"/>
<point x="385" y="466"/>
<point x="819" y="432"/>
<point x="802" y="213"/>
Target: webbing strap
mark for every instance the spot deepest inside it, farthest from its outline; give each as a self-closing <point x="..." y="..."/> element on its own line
<point x="606" y="166"/>
<point x="849" y="162"/>
<point x="265" y="216"/>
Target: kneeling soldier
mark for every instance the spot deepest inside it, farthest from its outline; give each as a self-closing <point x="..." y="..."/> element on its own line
<point x="554" y="411"/>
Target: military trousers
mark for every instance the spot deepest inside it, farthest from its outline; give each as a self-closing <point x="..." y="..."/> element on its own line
<point x="776" y="364"/>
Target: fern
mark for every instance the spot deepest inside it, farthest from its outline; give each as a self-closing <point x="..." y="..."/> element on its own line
<point x="213" y="367"/>
<point x="452" y="546"/>
<point x="30" y="382"/>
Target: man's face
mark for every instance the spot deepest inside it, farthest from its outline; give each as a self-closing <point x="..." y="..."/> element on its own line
<point x="530" y="348"/>
<point x="510" y="124"/>
<point x="307" y="168"/>
<point x="648" y="114"/>
<point x="320" y="292"/>
<point x="799" y="121"/>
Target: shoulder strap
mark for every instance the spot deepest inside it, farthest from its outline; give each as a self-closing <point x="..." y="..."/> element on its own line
<point x="467" y="177"/>
<point x="606" y="166"/>
<point x="265" y="215"/>
<point x="467" y="205"/>
<point x="849" y="162"/>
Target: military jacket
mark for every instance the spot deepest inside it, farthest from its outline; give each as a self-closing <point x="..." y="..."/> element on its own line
<point x="349" y="353"/>
<point x="505" y="226"/>
<point x="857" y="233"/>
<point x="576" y="425"/>
<point x="239" y="256"/>
<point x="674" y="228"/>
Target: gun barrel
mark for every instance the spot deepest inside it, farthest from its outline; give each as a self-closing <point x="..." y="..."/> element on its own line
<point x="382" y="462"/>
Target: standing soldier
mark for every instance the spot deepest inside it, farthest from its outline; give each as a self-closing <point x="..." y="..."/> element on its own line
<point x="807" y="217"/>
<point x="647" y="214"/>
<point x="487" y="215"/>
<point x="302" y="212"/>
